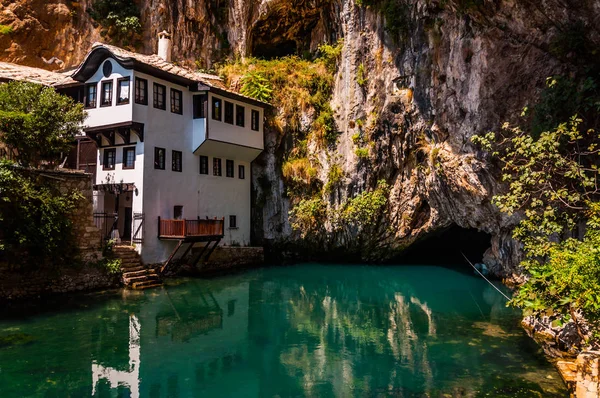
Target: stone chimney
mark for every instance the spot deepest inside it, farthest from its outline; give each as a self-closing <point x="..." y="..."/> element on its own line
<point x="164" y="45"/>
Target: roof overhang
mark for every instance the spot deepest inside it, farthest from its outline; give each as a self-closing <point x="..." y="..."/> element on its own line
<point x="100" y="54"/>
<point x="227" y="150"/>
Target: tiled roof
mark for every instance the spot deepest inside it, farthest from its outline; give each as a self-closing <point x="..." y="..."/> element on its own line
<point x="10" y="71"/>
<point x="157" y="62"/>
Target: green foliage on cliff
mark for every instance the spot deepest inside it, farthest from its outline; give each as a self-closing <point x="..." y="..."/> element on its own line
<point x="363" y="213"/>
<point x="334" y="178"/>
<point x="255" y="85"/>
<point x="361" y="75"/>
<point x="35" y="225"/>
<point x="5" y="29"/>
<point x="553" y="181"/>
<point x="292" y="84"/>
<point x="38" y="123"/>
<point x="120" y="20"/>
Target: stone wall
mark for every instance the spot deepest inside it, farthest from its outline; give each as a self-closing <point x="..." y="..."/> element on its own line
<point x="226" y="258"/>
<point x="42" y="283"/>
<point x="588" y="375"/>
<point x="88" y="237"/>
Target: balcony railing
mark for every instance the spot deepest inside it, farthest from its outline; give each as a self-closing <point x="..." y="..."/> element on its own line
<point x="181" y="229"/>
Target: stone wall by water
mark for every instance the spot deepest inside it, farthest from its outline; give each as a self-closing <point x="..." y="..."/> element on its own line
<point x="226" y="258"/>
<point x="88" y="238"/>
<point x="588" y="375"/>
<point x="42" y="283"/>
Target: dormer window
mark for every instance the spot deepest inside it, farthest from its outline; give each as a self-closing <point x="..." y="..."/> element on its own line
<point x="107" y="93"/>
<point x="160" y="96"/>
<point x="176" y="104"/>
<point x="91" y="95"/>
<point x="141" y="91"/>
<point x="123" y="91"/>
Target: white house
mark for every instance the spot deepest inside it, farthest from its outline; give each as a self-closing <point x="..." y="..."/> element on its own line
<point x="174" y="149"/>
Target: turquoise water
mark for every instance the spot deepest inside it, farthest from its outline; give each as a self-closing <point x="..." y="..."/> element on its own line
<point x="307" y="330"/>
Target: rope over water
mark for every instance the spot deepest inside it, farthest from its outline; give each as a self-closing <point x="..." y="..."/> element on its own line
<point x="486" y="279"/>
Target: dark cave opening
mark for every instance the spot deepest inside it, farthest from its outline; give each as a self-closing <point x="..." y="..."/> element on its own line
<point x="269" y="50"/>
<point x="445" y="247"/>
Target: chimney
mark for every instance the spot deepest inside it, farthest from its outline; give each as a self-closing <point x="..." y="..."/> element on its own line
<point x="164" y="45"/>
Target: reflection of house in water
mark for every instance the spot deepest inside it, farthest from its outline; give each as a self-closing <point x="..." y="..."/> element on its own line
<point x="129" y="378"/>
<point x="192" y="320"/>
<point x="186" y="339"/>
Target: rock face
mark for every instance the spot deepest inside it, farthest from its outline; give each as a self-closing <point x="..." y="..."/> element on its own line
<point x="435" y="73"/>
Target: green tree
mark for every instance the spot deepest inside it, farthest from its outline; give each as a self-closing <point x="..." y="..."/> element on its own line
<point x="553" y="181"/>
<point x="35" y="224"/>
<point x="38" y="123"/>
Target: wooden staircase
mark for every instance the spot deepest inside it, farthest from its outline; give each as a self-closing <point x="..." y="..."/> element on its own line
<point x="135" y="274"/>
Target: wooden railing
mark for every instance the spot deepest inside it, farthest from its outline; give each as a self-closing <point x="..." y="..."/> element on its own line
<point x="189" y="228"/>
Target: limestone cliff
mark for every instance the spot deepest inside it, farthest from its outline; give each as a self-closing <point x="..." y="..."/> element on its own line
<point x="432" y="74"/>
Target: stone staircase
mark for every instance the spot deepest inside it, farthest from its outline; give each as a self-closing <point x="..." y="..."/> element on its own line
<point x="135" y="274"/>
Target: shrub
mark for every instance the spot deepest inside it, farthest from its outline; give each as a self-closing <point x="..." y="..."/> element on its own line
<point x="324" y="128"/>
<point x="308" y="217"/>
<point x="256" y="86"/>
<point x="299" y="171"/>
<point x="330" y="54"/>
<point x="112" y="265"/>
<point x="334" y="177"/>
<point x="35" y="224"/>
<point x="365" y="209"/>
<point x="361" y="75"/>
<point x="5" y="29"/>
<point x="119" y="18"/>
<point x="362" y="153"/>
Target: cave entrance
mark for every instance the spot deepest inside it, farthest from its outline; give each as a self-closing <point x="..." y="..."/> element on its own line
<point x="271" y="50"/>
<point x="444" y="248"/>
<point x="287" y="29"/>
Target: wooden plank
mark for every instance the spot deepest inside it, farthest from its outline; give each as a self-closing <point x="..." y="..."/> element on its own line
<point x="171" y="257"/>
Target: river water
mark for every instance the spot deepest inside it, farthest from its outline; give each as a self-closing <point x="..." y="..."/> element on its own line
<point x="306" y="330"/>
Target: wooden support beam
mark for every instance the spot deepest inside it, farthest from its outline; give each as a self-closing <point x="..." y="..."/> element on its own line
<point x="110" y="137"/>
<point x="199" y="256"/>
<point x="164" y="267"/>
<point x="125" y="134"/>
<point x="187" y="250"/>
<point x="138" y="129"/>
<point x="212" y="250"/>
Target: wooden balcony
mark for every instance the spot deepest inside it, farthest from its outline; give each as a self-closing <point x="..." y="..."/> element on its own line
<point x="191" y="230"/>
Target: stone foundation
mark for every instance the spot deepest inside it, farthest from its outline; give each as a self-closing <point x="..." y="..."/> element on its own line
<point x="226" y="258"/>
<point x="588" y="380"/>
<point x="42" y="283"/>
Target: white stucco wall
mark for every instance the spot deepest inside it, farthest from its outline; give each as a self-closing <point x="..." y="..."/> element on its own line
<point x="221" y="131"/>
<point x="99" y="116"/>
